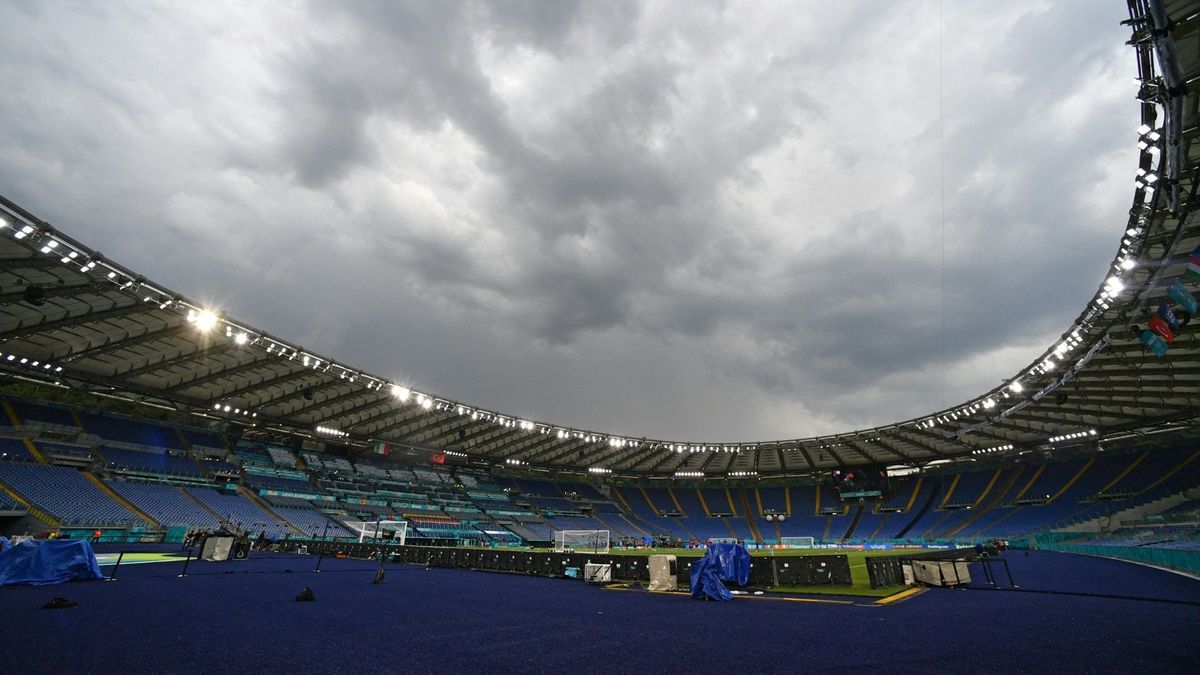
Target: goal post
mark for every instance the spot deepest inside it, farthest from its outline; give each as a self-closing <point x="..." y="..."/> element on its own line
<point x="797" y="542"/>
<point x="582" y="541"/>
<point x="395" y="531"/>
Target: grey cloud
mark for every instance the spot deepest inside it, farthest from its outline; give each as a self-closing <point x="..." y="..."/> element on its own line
<point x="688" y="234"/>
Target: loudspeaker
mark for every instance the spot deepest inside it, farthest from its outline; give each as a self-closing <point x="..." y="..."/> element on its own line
<point x="35" y="296"/>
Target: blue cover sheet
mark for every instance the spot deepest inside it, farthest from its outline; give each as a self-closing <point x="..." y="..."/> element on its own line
<point x="48" y="562"/>
<point x="722" y="562"/>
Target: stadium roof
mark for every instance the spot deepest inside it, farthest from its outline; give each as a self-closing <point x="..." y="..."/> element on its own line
<point x="69" y="316"/>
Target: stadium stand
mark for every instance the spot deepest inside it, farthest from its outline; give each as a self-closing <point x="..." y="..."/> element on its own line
<point x="117" y="430"/>
<point x="14" y="450"/>
<point x="35" y="414"/>
<point x="236" y="509"/>
<point x="66" y="494"/>
<point x="312" y="491"/>
<point x="119" y="460"/>
<point x="167" y="504"/>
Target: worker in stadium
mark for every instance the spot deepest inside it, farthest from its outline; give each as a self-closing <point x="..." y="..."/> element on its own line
<point x="96" y="535"/>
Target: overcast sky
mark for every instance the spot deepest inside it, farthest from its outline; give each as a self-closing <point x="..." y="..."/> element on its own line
<point x="683" y="220"/>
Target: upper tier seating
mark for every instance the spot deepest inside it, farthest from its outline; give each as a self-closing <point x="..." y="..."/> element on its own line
<point x="14" y="450"/>
<point x="30" y="412"/>
<point x="139" y="461"/>
<point x="121" y="430"/>
<point x="64" y="449"/>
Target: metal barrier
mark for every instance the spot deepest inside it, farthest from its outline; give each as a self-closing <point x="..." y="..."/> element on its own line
<point x="886" y="571"/>
<point x="799" y="570"/>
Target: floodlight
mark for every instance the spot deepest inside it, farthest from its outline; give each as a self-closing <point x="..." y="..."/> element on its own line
<point x="1016" y="387"/>
<point x="205" y="320"/>
<point x="240" y="339"/>
<point x="400" y="392"/>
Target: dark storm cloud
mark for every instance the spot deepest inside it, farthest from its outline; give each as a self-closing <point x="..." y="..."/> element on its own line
<point x="714" y="220"/>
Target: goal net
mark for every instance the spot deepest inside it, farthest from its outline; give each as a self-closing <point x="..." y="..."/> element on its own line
<point x="395" y="531"/>
<point x="797" y="542"/>
<point x="584" y="541"/>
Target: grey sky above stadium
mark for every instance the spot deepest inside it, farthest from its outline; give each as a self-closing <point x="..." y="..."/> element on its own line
<point x="691" y="221"/>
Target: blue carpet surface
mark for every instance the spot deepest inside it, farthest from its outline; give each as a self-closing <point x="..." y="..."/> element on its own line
<point x="241" y="617"/>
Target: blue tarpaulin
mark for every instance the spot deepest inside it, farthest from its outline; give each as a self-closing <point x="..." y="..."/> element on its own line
<point x="47" y="562"/>
<point x="722" y="562"/>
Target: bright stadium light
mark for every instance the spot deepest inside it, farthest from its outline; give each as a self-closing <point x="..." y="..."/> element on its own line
<point x="1128" y="264"/>
<point x="241" y="338"/>
<point x="205" y="320"/>
<point x="399" y="392"/>
<point x="1016" y="387"/>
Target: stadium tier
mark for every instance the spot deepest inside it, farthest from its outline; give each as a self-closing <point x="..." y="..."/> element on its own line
<point x="37" y="414"/>
<point x="167" y="504"/>
<point x="14" y="450"/>
<point x="132" y="432"/>
<point x="120" y="460"/>
<point x="69" y="496"/>
<point x="285" y="492"/>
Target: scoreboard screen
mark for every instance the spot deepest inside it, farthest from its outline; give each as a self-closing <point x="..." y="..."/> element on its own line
<point x="861" y="482"/>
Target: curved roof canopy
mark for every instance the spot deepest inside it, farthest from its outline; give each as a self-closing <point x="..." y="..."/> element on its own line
<point x="69" y="316"/>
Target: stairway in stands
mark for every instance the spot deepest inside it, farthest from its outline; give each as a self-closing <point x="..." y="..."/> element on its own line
<point x="924" y="508"/>
<point x="119" y="499"/>
<point x="853" y="523"/>
<point x="750" y="518"/>
<point x="996" y="501"/>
